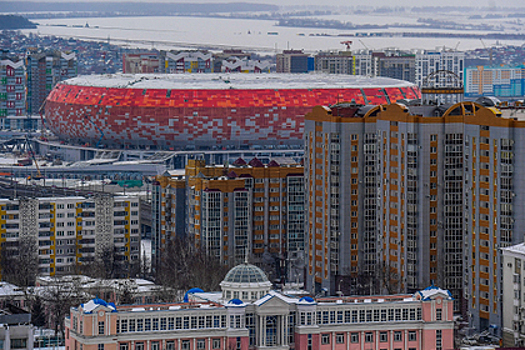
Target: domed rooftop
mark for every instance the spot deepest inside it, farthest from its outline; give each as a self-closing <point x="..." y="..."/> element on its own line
<point x="246" y="273"/>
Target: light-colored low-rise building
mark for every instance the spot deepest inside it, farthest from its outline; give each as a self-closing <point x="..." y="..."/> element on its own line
<point x="247" y="315"/>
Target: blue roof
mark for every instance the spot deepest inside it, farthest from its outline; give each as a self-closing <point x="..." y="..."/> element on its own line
<point x="236" y="302"/>
<point x="307" y="299"/>
<point x="191" y="291"/>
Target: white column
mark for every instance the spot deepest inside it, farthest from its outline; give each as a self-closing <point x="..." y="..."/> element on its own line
<point x="405" y="339"/>
<point x="391" y="339"/>
<point x="376" y="340"/>
<point x="132" y="347"/>
<point x="362" y="340"/>
<point x="332" y="345"/>
<point x="347" y="340"/>
<point x="147" y="345"/>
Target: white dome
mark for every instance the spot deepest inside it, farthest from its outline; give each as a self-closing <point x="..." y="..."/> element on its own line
<point x="245" y="282"/>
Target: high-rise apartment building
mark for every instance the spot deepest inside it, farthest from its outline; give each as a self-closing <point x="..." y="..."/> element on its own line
<point x="408" y="196"/>
<point x="292" y="61"/>
<point x="12" y="86"/>
<point x="244" y="209"/>
<point x="395" y="64"/>
<point x="428" y="62"/>
<point x="501" y="82"/>
<point x="168" y="212"/>
<point x="69" y="231"/>
<point x="334" y="62"/>
<point x="44" y="70"/>
<point x="363" y="63"/>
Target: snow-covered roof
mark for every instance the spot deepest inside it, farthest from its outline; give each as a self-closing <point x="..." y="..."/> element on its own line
<point x="10" y="290"/>
<point x="518" y="249"/>
<point x="225" y="81"/>
<point x="95" y="303"/>
<point x="273" y="294"/>
<point x="429" y="292"/>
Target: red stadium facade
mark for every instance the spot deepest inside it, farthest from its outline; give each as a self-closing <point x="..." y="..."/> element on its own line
<point x="204" y="110"/>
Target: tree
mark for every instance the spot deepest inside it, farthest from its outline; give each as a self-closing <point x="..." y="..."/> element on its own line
<point x="60" y="296"/>
<point x="20" y="262"/>
<point x="389" y="279"/>
<point x="38" y="313"/>
<point x="183" y="266"/>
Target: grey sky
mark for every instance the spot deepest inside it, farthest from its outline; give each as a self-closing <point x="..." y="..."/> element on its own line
<point x="355" y="3"/>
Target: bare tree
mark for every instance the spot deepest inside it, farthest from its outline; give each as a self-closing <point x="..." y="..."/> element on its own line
<point x="20" y="262"/>
<point x="389" y="279"/>
<point x="183" y="266"/>
<point x="59" y="297"/>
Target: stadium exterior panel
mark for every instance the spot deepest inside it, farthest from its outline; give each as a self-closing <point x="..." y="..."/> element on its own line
<point x="204" y="110"/>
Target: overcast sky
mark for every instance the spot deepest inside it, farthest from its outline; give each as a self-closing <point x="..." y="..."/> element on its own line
<point x="355" y="3"/>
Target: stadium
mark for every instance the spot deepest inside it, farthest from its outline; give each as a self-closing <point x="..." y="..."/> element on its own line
<point x="200" y="111"/>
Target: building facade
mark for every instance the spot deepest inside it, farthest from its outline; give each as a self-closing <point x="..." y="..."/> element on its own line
<point x="66" y="232"/>
<point x="392" y="191"/>
<point x="243" y="209"/>
<point x="12" y="87"/>
<point x="429" y="62"/>
<point x="188" y="62"/>
<point x="266" y="319"/>
<point x="238" y="65"/>
<point x="502" y="82"/>
<point x="513" y="309"/>
<point x="44" y="70"/>
<point x="292" y="61"/>
<point x="396" y="64"/>
<point x="334" y="62"/>
<point x="142" y="62"/>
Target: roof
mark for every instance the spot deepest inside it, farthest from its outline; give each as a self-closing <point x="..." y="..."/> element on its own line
<point x="429" y="292"/>
<point x="245" y="273"/>
<point x="518" y="249"/>
<point x="225" y="81"/>
<point x="95" y="303"/>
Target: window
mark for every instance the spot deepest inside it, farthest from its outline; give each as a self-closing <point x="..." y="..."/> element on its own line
<point x="340" y="338"/>
<point x="185" y="345"/>
<point x="397" y="336"/>
<point x="383" y="337"/>
<point x="100" y="346"/>
<point x="369" y="337"/>
<point x="354" y="337"/>
<point x="412" y="336"/>
<point x="124" y="346"/>
<point x="140" y="346"/>
<point x="101" y="328"/>
<point x="325" y="339"/>
<point x="438" y="314"/>
<point x="155" y="345"/>
<point x="216" y="344"/>
<point x="201" y="344"/>
<point x="18" y="343"/>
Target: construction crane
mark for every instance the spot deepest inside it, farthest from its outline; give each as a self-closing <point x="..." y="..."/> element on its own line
<point x="347" y="43"/>
<point x="490" y="50"/>
<point x="362" y="43"/>
<point x="42" y="120"/>
<point x="38" y="175"/>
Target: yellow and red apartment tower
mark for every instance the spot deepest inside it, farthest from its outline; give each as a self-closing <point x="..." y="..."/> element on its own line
<point x="399" y="197"/>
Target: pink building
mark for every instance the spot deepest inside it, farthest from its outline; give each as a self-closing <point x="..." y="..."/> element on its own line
<point x="241" y="318"/>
